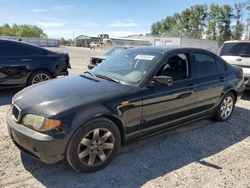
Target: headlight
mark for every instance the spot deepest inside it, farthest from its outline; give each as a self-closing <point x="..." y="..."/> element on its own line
<point x="40" y="123"/>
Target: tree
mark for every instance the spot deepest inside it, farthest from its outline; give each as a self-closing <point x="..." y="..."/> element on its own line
<point x="239" y="27"/>
<point x="185" y="22"/>
<point x="22" y="31"/>
<point x="219" y="22"/>
<point x="197" y="20"/>
<point x="193" y="21"/>
<point x="224" y="23"/>
<point x="247" y="4"/>
<point x="62" y="41"/>
<point x="6" y="30"/>
<point x="156" y="28"/>
<point x="212" y="25"/>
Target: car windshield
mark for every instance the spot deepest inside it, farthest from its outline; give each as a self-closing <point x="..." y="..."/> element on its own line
<point x="236" y="49"/>
<point x="128" y="67"/>
<point x="114" y="51"/>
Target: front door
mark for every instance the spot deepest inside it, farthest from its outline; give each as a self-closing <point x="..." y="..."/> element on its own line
<point x="164" y="105"/>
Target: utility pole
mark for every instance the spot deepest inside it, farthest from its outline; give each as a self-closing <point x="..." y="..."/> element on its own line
<point x="247" y="32"/>
<point x="73" y="39"/>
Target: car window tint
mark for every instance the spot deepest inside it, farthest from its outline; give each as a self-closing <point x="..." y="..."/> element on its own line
<point x="12" y="49"/>
<point x="221" y="66"/>
<point x="206" y="65"/>
<point x="236" y="49"/>
<point x="33" y="50"/>
<point x="176" y="67"/>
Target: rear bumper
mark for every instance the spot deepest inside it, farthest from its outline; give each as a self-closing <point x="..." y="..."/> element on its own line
<point x="39" y="146"/>
<point x="240" y="92"/>
<point x="62" y="73"/>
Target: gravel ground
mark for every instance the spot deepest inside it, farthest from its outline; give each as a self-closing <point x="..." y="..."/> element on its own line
<point x="202" y="154"/>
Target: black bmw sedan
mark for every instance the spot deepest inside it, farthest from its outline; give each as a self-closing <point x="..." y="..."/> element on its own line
<point x="85" y="119"/>
<point x="23" y="64"/>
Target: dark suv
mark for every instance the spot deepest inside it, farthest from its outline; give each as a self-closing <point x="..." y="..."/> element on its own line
<point x="23" y="64"/>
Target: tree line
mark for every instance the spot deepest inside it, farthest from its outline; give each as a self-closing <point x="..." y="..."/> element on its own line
<point x="21" y="31"/>
<point x="215" y="22"/>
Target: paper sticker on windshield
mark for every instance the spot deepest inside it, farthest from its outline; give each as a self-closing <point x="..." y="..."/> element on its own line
<point x="145" y="57"/>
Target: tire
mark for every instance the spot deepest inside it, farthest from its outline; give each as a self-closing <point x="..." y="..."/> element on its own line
<point x="39" y="76"/>
<point x="225" y="108"/>
<point x="93" y="150"/>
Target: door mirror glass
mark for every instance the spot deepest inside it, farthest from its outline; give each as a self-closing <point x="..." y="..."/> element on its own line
<point x="163" y="80"/>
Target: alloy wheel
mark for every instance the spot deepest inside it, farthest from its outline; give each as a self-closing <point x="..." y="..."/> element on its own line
<point x="40" y="78"/>
<point x="96" y="147"/>
<point x="227" y="107"/>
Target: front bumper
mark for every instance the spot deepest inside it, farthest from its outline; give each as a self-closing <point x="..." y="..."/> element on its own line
<point x="62" y="73"/>
<point x="39" y="146"/>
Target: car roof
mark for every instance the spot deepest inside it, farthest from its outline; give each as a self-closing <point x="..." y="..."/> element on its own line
<point x="237" y="41"/>
<point x="19" y="42"/>
<point x="23" y="43"/>
<point x="166" y="49"/>
<point x="123" y="47"/>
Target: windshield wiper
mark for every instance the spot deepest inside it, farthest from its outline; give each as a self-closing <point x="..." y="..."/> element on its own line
<point x="90" y="73"/>
<point x="107" y="78"/>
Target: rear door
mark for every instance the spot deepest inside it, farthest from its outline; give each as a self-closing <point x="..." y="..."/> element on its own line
<point x="14" y="60"/>
<point x="210" y="80"/>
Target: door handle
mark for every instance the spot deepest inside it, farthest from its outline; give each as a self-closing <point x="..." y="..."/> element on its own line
<point x="238" y="59"/>
<point x="192" y="86"/>
<point x="185" y="94"/>
<point x="25" y="60"/>
<point x="222" y="78"/>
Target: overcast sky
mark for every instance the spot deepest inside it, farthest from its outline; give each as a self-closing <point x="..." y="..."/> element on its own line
<point x="64" y="18"/>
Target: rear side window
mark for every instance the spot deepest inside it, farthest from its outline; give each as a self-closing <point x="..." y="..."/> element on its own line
<point x="33" y="50"/>
<point x="206" y="65"/>
<point x="221" y="66"/>
<point x="236" y="49"/>
<point x="12" y="49"/>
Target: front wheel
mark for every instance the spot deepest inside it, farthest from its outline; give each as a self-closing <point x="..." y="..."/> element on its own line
<point x="226" y="107"/>
<point x="94" y="145"/>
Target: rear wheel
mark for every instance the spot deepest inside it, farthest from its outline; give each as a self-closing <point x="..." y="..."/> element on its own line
<point x="38" y="77"/>
<point x="94" y="145"/>
<point x="226" y="107"/>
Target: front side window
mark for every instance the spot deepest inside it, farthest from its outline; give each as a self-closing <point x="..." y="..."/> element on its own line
<point x="129" y="67"/>
<point x="176" y="67"/>
<point x="206" y="65"/>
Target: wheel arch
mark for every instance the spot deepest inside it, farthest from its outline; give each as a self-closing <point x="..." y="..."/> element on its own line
<point x="110" y="117"/>
<point x="119" y="124"/>
<point x="233" y="91"/>
<point x="36" y="71"/>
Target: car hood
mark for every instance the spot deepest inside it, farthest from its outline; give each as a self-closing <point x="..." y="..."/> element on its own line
<point x="58" y="96"/>
<point x="99" y="57"/>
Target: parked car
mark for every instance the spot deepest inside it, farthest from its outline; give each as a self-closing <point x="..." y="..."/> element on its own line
<point x="23" y="64"/>
<point x="96" y="60"/>
<point x="238" y="53"/>
<point x="93" y="45"/>
<point x="140" y="92"/>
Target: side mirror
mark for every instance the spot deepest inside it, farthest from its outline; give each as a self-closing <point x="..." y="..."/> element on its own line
<point x="163" y="80"/>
